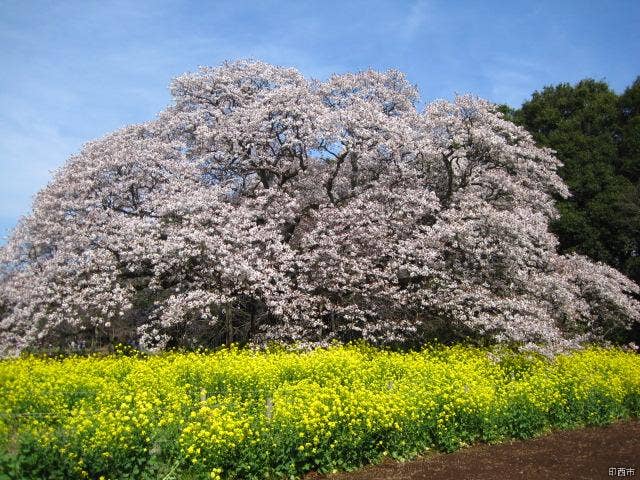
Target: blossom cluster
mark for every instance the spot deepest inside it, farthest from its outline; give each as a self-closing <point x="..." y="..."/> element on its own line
<point x="262" y="205"/>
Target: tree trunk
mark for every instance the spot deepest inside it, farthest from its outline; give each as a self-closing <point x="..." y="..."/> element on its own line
<point x="229" y="321"/>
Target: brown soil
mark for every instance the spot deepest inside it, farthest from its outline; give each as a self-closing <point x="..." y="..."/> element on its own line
<point x="587" y="453"/>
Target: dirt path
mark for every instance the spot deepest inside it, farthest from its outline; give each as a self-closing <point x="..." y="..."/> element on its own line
<point x="587" y="453"/>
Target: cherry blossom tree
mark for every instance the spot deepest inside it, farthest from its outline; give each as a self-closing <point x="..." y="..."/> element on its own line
<point x="262" y="205"/>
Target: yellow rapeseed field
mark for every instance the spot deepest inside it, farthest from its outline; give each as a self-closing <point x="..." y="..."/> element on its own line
<point x="251" y="414"/>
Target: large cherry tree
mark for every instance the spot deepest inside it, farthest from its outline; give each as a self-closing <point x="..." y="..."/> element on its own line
<point x="262" y="205"/>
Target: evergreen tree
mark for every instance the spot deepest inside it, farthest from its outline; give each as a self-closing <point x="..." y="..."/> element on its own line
<point x="596" y="135"/>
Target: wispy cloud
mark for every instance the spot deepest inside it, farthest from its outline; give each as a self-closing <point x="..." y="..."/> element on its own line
<point x="30" y="149"/>
<point x="415" y="19"/>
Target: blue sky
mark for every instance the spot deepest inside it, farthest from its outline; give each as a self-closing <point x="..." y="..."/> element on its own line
<point x="73" y="71"/>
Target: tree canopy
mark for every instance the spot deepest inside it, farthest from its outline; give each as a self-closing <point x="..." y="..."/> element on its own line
<point x="263" y="205"/>
<point x="596" y="134"/>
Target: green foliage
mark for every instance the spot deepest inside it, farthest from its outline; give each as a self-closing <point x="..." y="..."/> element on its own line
<point x="278" y="414"/>
<point x="596" y="134"/>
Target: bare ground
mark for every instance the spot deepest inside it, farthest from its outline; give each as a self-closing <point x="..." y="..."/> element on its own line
<point x="587" y="453"/>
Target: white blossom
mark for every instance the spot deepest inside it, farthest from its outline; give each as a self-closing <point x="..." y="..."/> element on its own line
<point x="263" y="205"/>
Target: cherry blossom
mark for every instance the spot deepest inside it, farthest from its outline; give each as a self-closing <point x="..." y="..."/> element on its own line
<point x="262" y="206"/>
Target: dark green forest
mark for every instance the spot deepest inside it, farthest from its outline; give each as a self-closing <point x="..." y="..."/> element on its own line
<point x="596" y="134"/>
